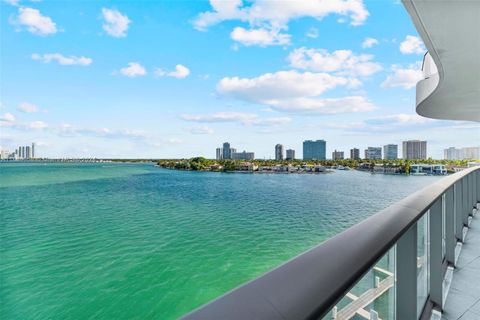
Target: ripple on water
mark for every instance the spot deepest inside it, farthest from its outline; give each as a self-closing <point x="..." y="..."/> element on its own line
<point x="135" y="241"/>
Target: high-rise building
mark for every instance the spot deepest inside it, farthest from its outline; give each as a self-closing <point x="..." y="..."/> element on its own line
<point x="390" y="152"/>
<point x="314" y="150"/>
<point x="219" y="154"/>
<point x="414" y="149"/>
<point x="373" y="153"/>
<point x="22" y="154"/>
<point x="452" y="153"/>
<point x="33" y="150"/>
<point x="355" y="154"/>
<point x="290" y="154"/>
<point x="243" y="155"/>
<point x="337" y="155"/>
<point x="28" y="155"/>
<point x="4" y="154"/>
<point x="279" y="152"/>
<point x="227" y="153"/>
<point x="471" y="153"/>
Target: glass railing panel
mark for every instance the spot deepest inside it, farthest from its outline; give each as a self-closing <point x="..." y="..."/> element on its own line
<point x="423" y="261"/>
<point x="373" y="297"/>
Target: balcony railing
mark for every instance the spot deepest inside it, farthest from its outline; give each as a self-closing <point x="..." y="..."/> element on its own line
<point x="392" y="265"/>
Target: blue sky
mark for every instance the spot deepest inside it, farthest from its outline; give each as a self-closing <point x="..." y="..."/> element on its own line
<point x="168" y="79"/>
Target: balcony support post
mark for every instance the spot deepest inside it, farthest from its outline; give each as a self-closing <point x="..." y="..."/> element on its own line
<point x="465" y="203"/>
<point x="458" y="211"/>
<point x="407" y="275"/>
<point x="436" y="258"/>
<point x="450" y="241"/>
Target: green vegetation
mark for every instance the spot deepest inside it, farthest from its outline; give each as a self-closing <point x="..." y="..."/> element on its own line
<point x="203" y="164"/>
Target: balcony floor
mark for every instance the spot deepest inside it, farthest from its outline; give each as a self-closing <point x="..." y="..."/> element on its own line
<point x="463" y="300"/>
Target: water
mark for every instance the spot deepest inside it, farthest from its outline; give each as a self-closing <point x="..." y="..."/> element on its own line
<point x="123" y="241"/>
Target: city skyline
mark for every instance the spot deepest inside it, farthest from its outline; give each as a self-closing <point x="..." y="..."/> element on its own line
<point x="107" y="79"/>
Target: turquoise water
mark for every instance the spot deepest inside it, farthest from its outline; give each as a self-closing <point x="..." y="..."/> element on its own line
<point x="123" y="241"/>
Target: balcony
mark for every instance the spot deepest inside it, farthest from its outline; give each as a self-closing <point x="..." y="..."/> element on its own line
<point x="449" y="30"/>
<point x="413" y="260"/>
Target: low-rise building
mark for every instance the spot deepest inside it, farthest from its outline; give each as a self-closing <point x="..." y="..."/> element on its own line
<point x="243" y="155"/>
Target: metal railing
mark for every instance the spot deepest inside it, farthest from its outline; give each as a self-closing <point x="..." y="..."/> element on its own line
<point x="421" y="234"/>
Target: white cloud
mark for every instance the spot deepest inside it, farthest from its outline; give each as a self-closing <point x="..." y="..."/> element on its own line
<point x="270" y="87"/>
<point x="403" y="78"/>
<point x="35" y="22"/>
<point x="244" y="118"/>
<point x="12" y="2"/>
<point x="278" y="14"/>
<point x="412" y="44"/>
<point x="342" y="61"/>
<point x="116" y="24"/>
<point x="133" y="70"/>
<point x="394" y="122"/>
<point x="7" y="117"/>
<point x="350" y="104"/>
<point x="180" y="72"/>
<point x="38" y="125"/>
<point x="61" y="59"/>
<point x="28" y="107"/>
<point x="312" y="33"/>
<point x="369" y="42"/>
<point x="202" y="129"/>
<point x="292" y="91"/>
<point x="260" y="37"/>
<point x="401" y="119"/>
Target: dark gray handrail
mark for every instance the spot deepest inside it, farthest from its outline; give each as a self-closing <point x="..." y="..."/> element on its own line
<point x="309" y="285"/>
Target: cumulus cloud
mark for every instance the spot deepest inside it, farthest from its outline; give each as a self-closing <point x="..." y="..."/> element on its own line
<point x="61" y="59"/>
<point x="180" y="72"/>
<point x="412" y="44"/>
<point x="268" y="18"/>
<point x="202" y="129"/>
<point x="12" y="2"/>
<point x="293" y="91"/>
<point x="349" y="104"/>
<point x="133" y="70"/>
<point x="115" y="23"/>
<point x="34" y="22"/>
<point x="369" y="42"/>
<point x="68" y="130"/>
<point x="405" y="78"/>
<point x="241" y="117"/>
<point x="401" y="119"/>
<point x="260" y="37"/>
<point x="278" y="14"/>
<point x="342" y="61"/>
<point x="28" y="107"/>
<point x="7" y="117"/>
<point x="394" y="122"/>
<point x="38" y="125"/>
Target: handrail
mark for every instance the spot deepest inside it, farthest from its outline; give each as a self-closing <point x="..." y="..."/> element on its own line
<point x="309" y="285"/>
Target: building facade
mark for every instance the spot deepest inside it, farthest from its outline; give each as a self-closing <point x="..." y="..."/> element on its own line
<point x="373" y="153"/>
<point x="414" y="149"/>
<point x="390" y="152"/>
<point x="355" y="154"/>
<point x="243" y="155"/>
<point x="219" y="154"/>
<point x="279" y="152"/>
<point x="314" y="150"/>
<point x="227" y="153"/>
<point x="469" y="153"/>
<point x="290" y="154"/>
<point x="338" y="155"/>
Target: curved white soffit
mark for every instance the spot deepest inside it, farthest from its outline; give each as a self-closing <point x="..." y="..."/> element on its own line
<point x="451" y="32"/>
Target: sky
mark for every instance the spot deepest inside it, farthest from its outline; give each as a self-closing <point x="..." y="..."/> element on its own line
<point x="176" y="79"/>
